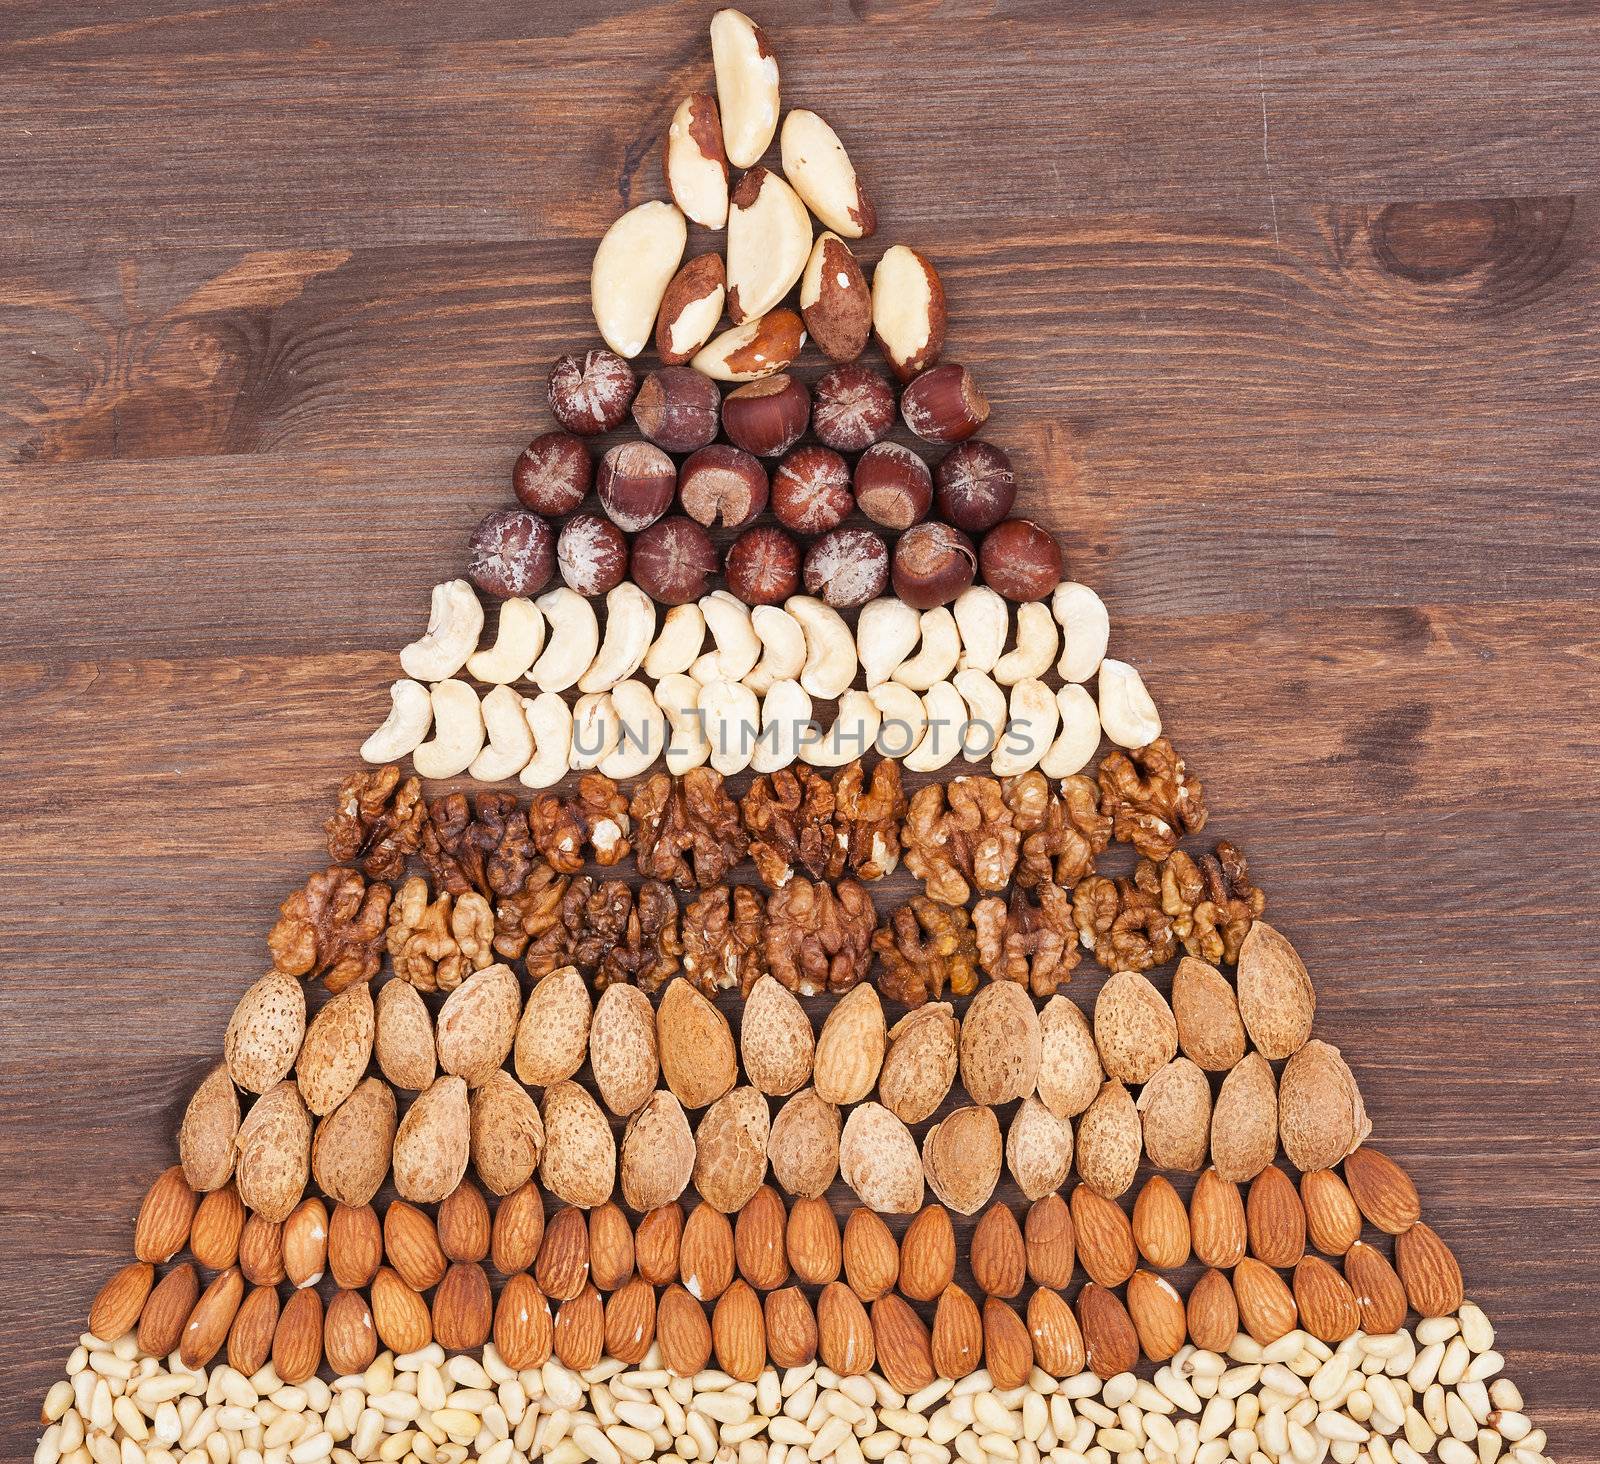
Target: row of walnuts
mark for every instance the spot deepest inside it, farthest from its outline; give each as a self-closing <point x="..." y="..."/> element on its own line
<point x="507" y="883"/>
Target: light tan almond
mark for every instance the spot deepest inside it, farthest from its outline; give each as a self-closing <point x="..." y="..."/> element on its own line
<point x="208" y="1132"/>
<point x="478" y="1024"/>
<point x="404" y="1040"/>
<point x="265" y="1032"/>
<point x="622" y="1048"/>
<point x="1276" y="999"/>
<point x="505" y="1132"/>
<point x="920" y="1064"/>
<point x="878" y="1159"/>
<point x="1038" y="1149"/>
<point x="731" y="1149"/>
<point x="961" y="1158"/>
<point x="274" y="1153"/>
<point x="1001" y="1044"/>
<point x="851" y="1046"/>
<point x="658" y="1153"/>
<point x="1161" y="1225"/>
<point x="1110" y="1141"/>
<point x="1134" y="1028"/>
<point x="433" y="1143"/>
<point x="579" y="1164"/>
<point x="775" y="1039"/>
<point x="353" y="1145"/>
<point x="1210" y="1031"/>
<point x="1244" y="1122"/>
<point x="1070" y="1075"/>
<point x="1175" y="1114"/>
<point x="337" y="1048"/>
<point x="1321" y="1117"/>
<point x="697" y="1053"/>
<point x="552" y="1038"/>
<point x="803" y="1146"/>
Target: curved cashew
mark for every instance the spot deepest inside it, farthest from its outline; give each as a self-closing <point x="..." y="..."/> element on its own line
<point x="946" y="715"/>
<point x="550" y="720"/>
<point x="1085" y="629"/>
<point x="643" y="732"/>
<point x="510" y="742"/>
<point x="1029" y="731"/>
<point x="595" y="731"/>
<point x="854" y="730"/>
<point x="1035" y="649"/>
<point x="986" y="714"/>
<point x="457" y="731"/>
<point x="1126" y="710"/>
<point x="983" y="620"/>
<point x="903" y="722"/>
<point x="738" y="646"/>
<point x="941" y="647"/>
<point x="830" y="648"/>
<point x="455" y="619"/>
<point x="570" y="646"/>
<point x="683" y="632"/>
<point x="733" y="722"/>
<point x="785" y="715"/>
<point x="783" y="648"/>
<point x="517" y="643"/>
<point x="1075" y="744"/>
<point x="630" y="627"/>
<point x="887" y="630"/>
<point x="410" y="715"/>
<point x="687" y="747"/>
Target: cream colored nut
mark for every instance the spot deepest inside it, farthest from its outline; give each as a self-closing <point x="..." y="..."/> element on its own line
<point x="902" y="720"/>
<point x="691" y="309"/>
<point x="1085" y="629"/>
<point x="678" y="696"/>
<point x="830" y="648"/>
<point x="457" y="731"/>
<point x="769" y="241"/>
<point x="1030" y="729"/>
<point x="683" y="632"/>
<point x="785" y="715"/>
<point x="733" y="722"/>
<point x="984" y="622"/>
<point x="737" y="645"/>
<point x="937" y="656"/>
<point x="642" y="731"/>
<point x="510" y="742"/>
<point x="854" y="730"/>
<point x="630" y="627"/>
<point x="455" y="620"/>
<point x="1079" y="736"/>
<point x="410" y="716"/>
<point x="945" y="714"/>
<point x="518" y="640"/>
<point x="887" y="630"/>
<point x="632" y="268"/>
<point x="908" y="315"/>
<point x="754" y="349"/>
<point x="573" y="639"/>
<point x="1127" y="712"/>
<point x="783" y="648"/>
<point x="815" y="162"/>
<point x="549" y="719"/>
<point x="1035" y="649"/>
<point x="747" y="85"/>
<point x="986" y="714"/>
<point x="696" y="164"/>
<point x="595" y="731"/>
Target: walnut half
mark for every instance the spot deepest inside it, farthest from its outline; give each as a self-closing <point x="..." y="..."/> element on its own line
<point x="333" y="927"/>
<point x="925" y="948"/>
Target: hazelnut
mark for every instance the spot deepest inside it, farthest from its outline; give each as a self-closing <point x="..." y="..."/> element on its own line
<point x="933" y="563"/>
<point x="852" y="407"/>
<point x="763" y="566"/>
<point x="592" y="553"/>
<point x="590" y="393"/>
<point x="673" y="560"/>
<point x="847" y="567"/>
<point x="510" y="553"/>
<point x="722" y="482"/>
<point x="811" y="490"/>
<point x="944" y="405"/>
<point x="553" y="473"/>
<point x="974" y="486"/>
<point x="636" y="482"/>
<point x="1020" y="560"/>
<point x="678" y="409"/>
<point x="893" y="485"/>
<point x="767" y="417"/>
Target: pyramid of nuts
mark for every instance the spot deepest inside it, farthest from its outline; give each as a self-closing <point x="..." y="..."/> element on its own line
<point x="704" y="1080"/>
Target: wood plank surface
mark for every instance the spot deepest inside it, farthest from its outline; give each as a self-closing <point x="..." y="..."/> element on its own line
<point x="1288" y="315"/>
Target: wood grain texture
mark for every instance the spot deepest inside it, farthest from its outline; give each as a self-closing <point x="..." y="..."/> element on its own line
<point x="1288" y="317"/>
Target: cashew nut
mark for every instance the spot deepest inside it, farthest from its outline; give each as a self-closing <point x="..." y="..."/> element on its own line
<point x="678" y="696"/>
<point x="783" y="648"/>
<point x="630" y="627"/>
<point x="457" y="731"/>
<point x="941" y="647"/>
<point x="886" y="630"/>
<point x="1030" y="729"/>
<point x="902" y="721"/>
<point x="1075" y="744"/>
<point x="518" y="640"/>
<point x="410" y="715"/>
<point x="1126" y="710"/>
<point x="785" y="714"/>
<point x="738" y="646"/>
<point x="683" y="632"/>
<point x="570" y="647"/>
<point x="549" y="719"/>
<point x="986" y="714"/>
<point x="733" y="722"/>
<point x="983" y="620"/>
<point x="1085" y="629"/>
<point x="830" y="648"/>
<point x="854" y="730"/>
<point x="1035" y="648"/>
<point x="595" y="731"/>
<point x="455" y="619"/>
<point x="946" y="715"/>
<point x="510" y="741"/>
<point x="642" y="734"/>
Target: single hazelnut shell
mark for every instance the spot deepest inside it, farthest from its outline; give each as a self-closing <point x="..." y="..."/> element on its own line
<point x="852" y="407"/>
<point x="763" y="565"/>
<point x="678" y="409"/>
<point x="944" y="404"/>
<point x="592" y="554"/>
<point x="893" y="485"/>
<point x="511" y="552"/>
<point x="673" y="560"/>
<point x="590" y="393"/>
<point x="553" y="473"/>
<point x="974" y="486"/>
<point x="722" y="483"/>
<point x="1020" y="559"/>
<point x="636" y="481"/>
<point x="767" y="417"/>
<point x="847" y="568"/>
<point x="811" y="490"/>
<point x="933" y="563"/>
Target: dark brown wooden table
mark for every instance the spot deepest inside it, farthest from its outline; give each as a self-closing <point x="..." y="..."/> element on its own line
<point x="1288" y="313"/>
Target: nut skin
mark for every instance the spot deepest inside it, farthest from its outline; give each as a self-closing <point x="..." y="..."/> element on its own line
<point x="701" y="280"/>
<point x="1020" y="560"/>
<point x="678" y="409"/>
<point x="767" y="417"/>
<point x="847" y="568"/>
<point x="673" y="560"/>
<point x="893" y="485"/>
<point x="852" y="407"/>
<point x="591" y="393"/>
<point x="722" y="483"/>
<point x="511" y="552"/>
<point x="553" y="473"/>
<point x="763" y="566"/>
<point x="933" y="563"/>
<point x="974" y="486"/>
<point x="811" y="490"/>
<point x="592" y="553"/>
<point x="944" y="404"/>
<point x="635" y="482"/>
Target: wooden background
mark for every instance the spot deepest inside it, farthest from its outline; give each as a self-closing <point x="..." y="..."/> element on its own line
<point x="1288" y="313"/>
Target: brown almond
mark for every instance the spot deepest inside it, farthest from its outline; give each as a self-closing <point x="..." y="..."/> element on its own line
<point x="305" y="1242"/>
<point x="1217" y="1226"/>
<point x="791" y="1327"/>
<point x="1048" y="1238"/>
<point x="297" y="1344"/>
<point x="905" y="1352"/>
<point x="683" y="1332"/>
<point x="399" y="1313"/>
<point x="463" y="1309"/>
<point x="758" y="1243"/>
<point x="216" y="1228"/>
<point x="522" y="1325"/>
<point x="463" y="1223"/>
<point x="1057" y="1339"/>
<point x="562" y="1269"/>
<point x="1275" y="1219"/>
<point x="1378" y="1291"/>
<point x="517" y="1230"/>
<point x="631" y="1321"/>
<point x="956" y="1346"/>
<point x="1327" y="1304"/>
<point x="1106" y="1248"/>
<point x="1158" y="1315"/>
<point x="348" y="1336"/>
<point x="1110" y="1342"/>
<point x="871" y="1257"/>
<point x="997" y="1254"/>
<point x="579" y="1334"/>
<point x="610" y="1247"/>
<point x="705" y="1254"/>
<point x="208" y="1324"/>
<point x="656" y="1241"/>
<point x="1382" y="1190"/>
<point x="355" y="1245"/>
<point x="1161" y="1225"/>
<point x="164" y="1217"/>
<point x="1007" y="1345"/>
<point x="1110" y="1140"/>
<point x="1213" y="1312"/>
<point x="1210" y="1031"/>
<point x="1429" y="1271"/>
<point x="411" y="1245"/>
<point x="928" y="1254"/>
<point x="1266" y="1306"/>
<point x="166" y="1311"/>
<point x="739" y="1333"/>
<point x="1276" y="999"/>
<point x="117" y="1306"/>
<point x="844" y="1331"/>
<point x="254" y="1326"/>
<point x="1332" y="1218"/>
